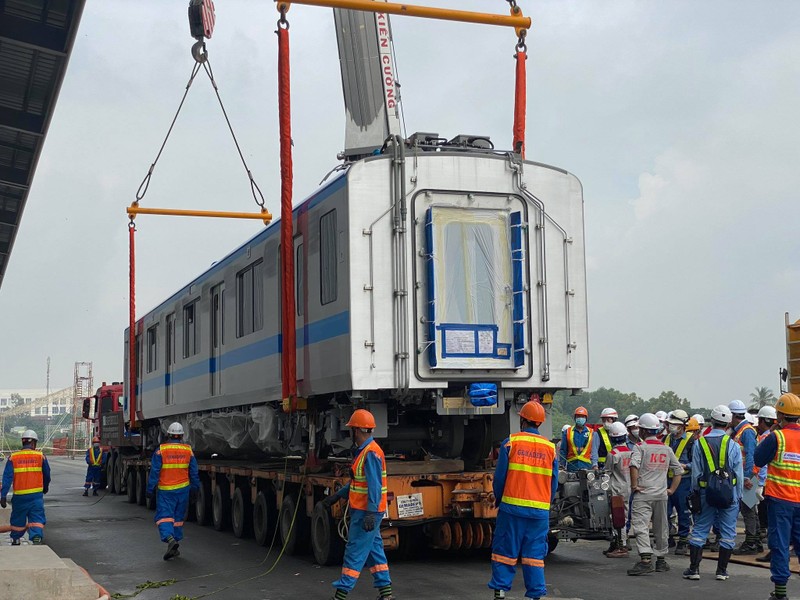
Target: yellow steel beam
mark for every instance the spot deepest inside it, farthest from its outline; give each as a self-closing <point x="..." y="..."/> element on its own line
<point x="264" y="215"/>
<point x="516" y="19"/>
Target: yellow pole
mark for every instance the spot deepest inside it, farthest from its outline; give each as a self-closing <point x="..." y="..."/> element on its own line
<point x="264" y="215"/>
<point x="515" y="20"/>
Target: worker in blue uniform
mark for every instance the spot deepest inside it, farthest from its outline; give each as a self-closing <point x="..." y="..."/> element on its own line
<point x="681" y="443"/>
<point x="366" y="493"/>
<point x="28" y="473"/>
<point x="96" y="460"/>
<point x="525" y="483"/>
<point x="707" y="455"/>
<point x="743" y="432"/>
<point x="578" y="451"/>
<point x="173" y="469"/>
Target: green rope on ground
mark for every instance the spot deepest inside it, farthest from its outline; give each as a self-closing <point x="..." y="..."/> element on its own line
<point x="148" y="585"/>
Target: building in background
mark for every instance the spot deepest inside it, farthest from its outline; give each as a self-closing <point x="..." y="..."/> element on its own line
<point x="57" y="406"/>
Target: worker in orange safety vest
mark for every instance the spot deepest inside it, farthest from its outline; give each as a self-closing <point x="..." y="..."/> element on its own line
<point x="28" y="473"/>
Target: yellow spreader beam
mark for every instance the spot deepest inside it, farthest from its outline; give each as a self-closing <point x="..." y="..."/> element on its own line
<point x="264" y="215"/>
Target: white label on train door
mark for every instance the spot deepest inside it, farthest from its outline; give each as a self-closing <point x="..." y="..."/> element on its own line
<point x="409" y="506"/>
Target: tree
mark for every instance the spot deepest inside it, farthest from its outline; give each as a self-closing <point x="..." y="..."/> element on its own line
<point x="17" y="400"/>
<point x="762" y="397"/>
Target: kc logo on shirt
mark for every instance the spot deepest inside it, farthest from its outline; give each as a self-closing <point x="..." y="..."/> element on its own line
<point x="658" y="458"/>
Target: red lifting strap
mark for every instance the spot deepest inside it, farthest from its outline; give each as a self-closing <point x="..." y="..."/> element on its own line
<point x="289" y="345"/>
<point x="132" y="326"/>
<point x="520" y="101"/>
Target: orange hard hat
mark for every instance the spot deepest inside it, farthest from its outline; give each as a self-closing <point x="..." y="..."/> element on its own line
<point x="362" y="419"/>
<point x="581" y="412"/>
<point x="789" y="405"/>
<point x="692" y="425"/>
<point x="95" y="440"/>
<point x="533" y="411"/>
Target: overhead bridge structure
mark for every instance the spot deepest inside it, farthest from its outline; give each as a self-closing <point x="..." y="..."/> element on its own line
<point x="36" y="39"/>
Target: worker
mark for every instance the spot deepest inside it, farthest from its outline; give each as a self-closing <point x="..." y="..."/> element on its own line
<point x="693" y="428"/>
<point x="525" y="483"/>
<point x="367" y="495"/>
<point x="650" y="461"/>
<point x="767" y="423"/>
<point x="173" y="470"/>
<point x="681" y="443"/>
<point x="745" y="435"/>
<point x="662" y="419"/>
<point x="602" y="443"/>
<point x="28" y="472"/>
<point x="95" y="461"/>
<point x="578" y="452"/>
<point x="715" y="458"/>
<point x="617" y="466"/>
<point x="780" y="452"/>
<point x="632" y="425"/>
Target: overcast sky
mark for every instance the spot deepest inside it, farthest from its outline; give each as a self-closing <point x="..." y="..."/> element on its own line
<point x="680" y="118"/>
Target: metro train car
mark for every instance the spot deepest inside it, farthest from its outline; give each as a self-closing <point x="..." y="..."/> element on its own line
<point x="439" y="284"/>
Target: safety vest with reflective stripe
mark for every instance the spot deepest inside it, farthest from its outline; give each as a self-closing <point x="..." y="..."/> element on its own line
<point x="28" y="476"/>
<point x="584" y="455"/>
<point x="783" y="474"/>
<point x="679" y="450"/>
<point x="175" y="459"/>
<point x="95" y="461"/>
<point x="359" y="493"/>
<point x="738" y="439"/>
<point x="530" y="471"/>
<point x="723" y="458"/>
<point x="607" y="443"/>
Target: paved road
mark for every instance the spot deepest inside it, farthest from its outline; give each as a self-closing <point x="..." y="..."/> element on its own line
<point x="118" y="543"/>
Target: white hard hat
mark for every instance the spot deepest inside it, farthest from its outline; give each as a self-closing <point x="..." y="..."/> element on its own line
<point x="609" y="413"/>
<point x="751" y="418"/>
<point x="737" y="407"/>
<point x="631" y="421"/>
<point x="721" y="413"/>
<point x="618" y="430"/>
<point x="564" y="428"/>
<point x="29" y="434"/>
<point x="649" y="421"/>
<point x="767" y="412"/>
<point x="699" y="418"/>
<point x="660" y="415"/>
<point x="175" y="429"/>
<point x="678" y="417"/>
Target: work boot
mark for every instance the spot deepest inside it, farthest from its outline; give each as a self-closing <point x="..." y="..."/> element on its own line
<point x="695" y="556"/>
<point x="642" y="567"/>
<point x="172" y="548"/>
<point x="85" y="492"/>
<point x="36" y="540"/>
<point x="15" y="542"/>
<point x="682" y="549"/>
<point x="661" y="565"/>
<point x="618" y="553"/>
<point x="671" y="542"/>
<point x="611" y="547"/>
<point x="766" y="558"/>
<point x="94" y="493"/>
<point x="385" y="593"/>
<point x="722" y="564"/>
<point x="747" y="548"/>
<point x="499" y="594"/>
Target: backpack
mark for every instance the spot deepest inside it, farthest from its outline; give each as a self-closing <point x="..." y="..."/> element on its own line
<point x="720" y="481"/>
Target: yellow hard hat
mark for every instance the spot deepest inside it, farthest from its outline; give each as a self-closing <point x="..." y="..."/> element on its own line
<point x="788" y="404"/>
<point x="692" y="425"/>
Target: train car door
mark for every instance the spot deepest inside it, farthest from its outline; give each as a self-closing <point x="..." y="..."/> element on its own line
<point x="215" y="360"/>
<point x="300" y="304"/>
<point x="169" y="360"/>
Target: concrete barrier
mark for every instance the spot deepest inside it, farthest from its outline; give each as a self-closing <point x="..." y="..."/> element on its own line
<point x="37" y="572"/>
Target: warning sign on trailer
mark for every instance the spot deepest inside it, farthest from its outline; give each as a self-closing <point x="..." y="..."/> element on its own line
<point x="409" y="506"/>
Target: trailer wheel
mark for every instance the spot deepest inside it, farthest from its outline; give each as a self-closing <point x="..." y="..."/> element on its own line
<point x="552" y="542"/>
<point x="118" y="467"/>
<point x="264" y="517"/>
<point x="326" y="543"/>
<point x="112" y="460"/>
<point x="202" y="506"/>
<point x="220" y="509"/>
<point x="131" y="486"/>
<point x="141" y="487"/>
<point x="294" y="538"/>
<point x="241" y="514"/>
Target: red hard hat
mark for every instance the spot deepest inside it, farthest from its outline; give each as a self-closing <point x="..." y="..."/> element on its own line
<point x="362" y="419"/>
<point x="533" y="411"/>
<point x="95" y="440"/>
<point x="581" y="412"/>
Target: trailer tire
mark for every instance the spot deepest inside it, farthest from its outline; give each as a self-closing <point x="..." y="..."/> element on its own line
<point x="202" y="506"/>
<point x="326" y="543"/>
<point x="112" y="460"/>
<point x="131" y="486"/>
<point x="264" y="517"/>
<point x="220" y="508"/>
<point x="552" y="542"/>
<point x="241" y="514"/>
<point x="294" y="538"/>
<point x="141" y="487"/>
<point x="118" y="468"/>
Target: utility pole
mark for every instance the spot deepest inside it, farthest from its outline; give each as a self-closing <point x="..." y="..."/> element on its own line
<point x="48" y="375"/>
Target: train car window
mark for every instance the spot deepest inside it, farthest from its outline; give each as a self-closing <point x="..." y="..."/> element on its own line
<point x="299" y="268"/>
<point x="190" y="330"/>
<point x="250" y="299"/>
<point x="328" y="258"/>
<point x="152" y="348"/>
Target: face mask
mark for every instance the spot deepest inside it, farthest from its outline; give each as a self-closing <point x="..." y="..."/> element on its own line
<point x="673" y="429"/>
<point x="607" y="425"/>
<point x="96" y="445"/>
<point x="580" y="421"/>
<point x="635" y="432"/>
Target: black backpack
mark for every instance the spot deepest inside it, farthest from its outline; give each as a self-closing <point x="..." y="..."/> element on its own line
<point x="720" y="481"/>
